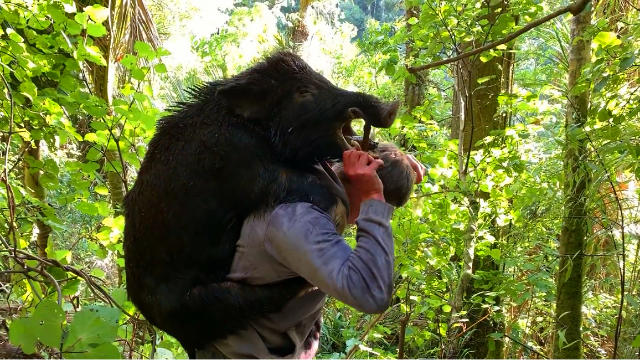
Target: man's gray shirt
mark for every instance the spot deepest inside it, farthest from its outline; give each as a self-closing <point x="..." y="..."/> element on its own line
<point x="299" y="239"/>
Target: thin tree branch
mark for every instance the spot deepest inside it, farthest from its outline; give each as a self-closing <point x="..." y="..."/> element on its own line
<point x="526" y="346"/>
<point x="404" y="322"/>
<point x="575" y="9"/>
<point x="623" y="254"/>
<point x="51" y="279"/>
<point x="11" y="203"/>
<point x="366" y="332"/>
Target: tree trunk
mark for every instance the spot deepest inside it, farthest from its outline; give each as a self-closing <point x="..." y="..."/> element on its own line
<point x="102" y="80"/>
<point x="474" y="115"/>
<point x="114" y="181"/>
<point x="457" y="115"/>
<point x="414" y="84"/>
<point x="413" y="88"/>
<point x="567" y="340"/>
<point x="32" y="183"/>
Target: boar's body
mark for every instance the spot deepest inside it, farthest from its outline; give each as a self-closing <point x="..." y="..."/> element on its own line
<point x="242" y="146"/>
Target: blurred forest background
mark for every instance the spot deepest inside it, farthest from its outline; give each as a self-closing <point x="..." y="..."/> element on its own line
<point x="522" y="241"/>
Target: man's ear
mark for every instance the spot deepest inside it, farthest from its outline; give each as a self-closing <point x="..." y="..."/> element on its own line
<point x="248" y="98"/>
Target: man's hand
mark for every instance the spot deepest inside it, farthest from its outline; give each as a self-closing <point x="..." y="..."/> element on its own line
<point x="360" y="168"/>
<point x="417" y="167"/>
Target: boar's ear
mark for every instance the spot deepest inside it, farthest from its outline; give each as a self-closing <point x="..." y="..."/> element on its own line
<point x="248" y="98"/>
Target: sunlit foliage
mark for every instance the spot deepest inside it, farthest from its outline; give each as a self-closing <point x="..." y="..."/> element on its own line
<point x="61" y="230"/>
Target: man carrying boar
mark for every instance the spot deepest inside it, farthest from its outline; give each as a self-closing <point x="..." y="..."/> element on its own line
<point x="298" y="239"/>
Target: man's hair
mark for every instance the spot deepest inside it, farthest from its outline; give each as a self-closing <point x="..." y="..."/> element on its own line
<point x="397" y="175"/>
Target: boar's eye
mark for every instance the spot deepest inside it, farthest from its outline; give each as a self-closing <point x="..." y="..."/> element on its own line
<point x="304" y="93"/>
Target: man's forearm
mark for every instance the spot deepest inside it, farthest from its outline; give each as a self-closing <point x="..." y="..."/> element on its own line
<point x="305" y="240"/>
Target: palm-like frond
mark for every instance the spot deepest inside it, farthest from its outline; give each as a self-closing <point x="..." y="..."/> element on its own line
<point x="133" y="22"/>
<point x="129" y="21"/>
<point x="177" y="89"/>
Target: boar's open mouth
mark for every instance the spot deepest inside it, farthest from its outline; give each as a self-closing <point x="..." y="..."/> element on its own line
<point x="382" y="116"/>
<point x="348" y="138"/>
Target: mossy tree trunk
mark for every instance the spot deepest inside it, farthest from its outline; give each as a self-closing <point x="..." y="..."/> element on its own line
<point x="475" y="113"/>
<point x="32" y="182"/>
<point x="129" y="21"/>
<point x="414" y="84"/>
<point x="567" y="340"/>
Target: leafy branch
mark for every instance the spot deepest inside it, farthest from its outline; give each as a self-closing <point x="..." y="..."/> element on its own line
<point x="575" y="9"/>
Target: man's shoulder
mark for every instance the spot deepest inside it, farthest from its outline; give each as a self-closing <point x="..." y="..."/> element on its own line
<point x="293" y="212"/>
<point x="298" y="211"/>
<point x="289" y="207"/>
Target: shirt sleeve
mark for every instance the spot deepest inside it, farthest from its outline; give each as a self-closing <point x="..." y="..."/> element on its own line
<point x="304" y="239"/>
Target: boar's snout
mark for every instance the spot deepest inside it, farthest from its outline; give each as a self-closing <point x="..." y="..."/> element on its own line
<point x="380" y="115"/>
<point x="390" y="114"/>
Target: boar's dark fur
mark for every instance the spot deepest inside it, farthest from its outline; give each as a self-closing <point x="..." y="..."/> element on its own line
<point x="241" y="146"/>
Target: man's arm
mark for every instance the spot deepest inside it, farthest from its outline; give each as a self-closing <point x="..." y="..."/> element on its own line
<point x="304" y="239"/>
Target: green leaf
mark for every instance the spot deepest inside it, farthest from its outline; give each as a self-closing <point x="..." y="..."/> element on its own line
<point x="97" y="272"/>
<point x="103" y="208"/>
<point x="49" y="180"/>
<point x="91" y="53"/>
<point x="68" y="83"/>
<point x="73" y="28"/>
<point x="104" y="351"/>
<point x="496" y="253"/>
<point x="96" y="30"/>
<point x="29" y="89"/>
<point x="446" y="308"/>
<point x="92" y="137"/>
<point x="102" y="253"/>
<point x="412" y="20"/>
<point x="81" y="18"/>
<point x="606" y="39"/>
<point x="101" y="190"/>
<point x="97" y="13"/>
<point x="491" y="344"/>
<point x="612" y="133"/>
<point x="56" y="13"/>
<point x="119" y="295"/>
<point x="128" y="61"/>
<point x="38" y="22"/>
<point x="636" y="342"/>
<point x="91" y="333"/>
<point x="163" y="52"/>
<point x="600" y="84"/>
<point x="162" y="353"/>
<point x="21" y="334"/>
<point x="13" y="35"/>
<point x="137" y="74"/>
<point x="486" y="57"/>
<point x="45" y="325"/>
<point x="98" y="125"/>
<point x="160" y="68"/>
<point x="148" y="121"/>
<point x="71" y="287"/>
<point x="95" y="111"/>
<point x="93" y="155"/>
<point x="486" y="78"/>
<point x="88" y="328"/>
<point x="144" y="50"/>
<point x="109" y="314"/>
<point x="627" y="62"/>
<point x="87" y="208"/>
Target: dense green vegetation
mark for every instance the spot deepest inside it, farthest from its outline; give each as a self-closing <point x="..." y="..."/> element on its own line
<point x="521" y="242"/>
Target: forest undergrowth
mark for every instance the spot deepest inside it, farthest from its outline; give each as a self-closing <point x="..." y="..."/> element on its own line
<point x="521" y="242"/>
